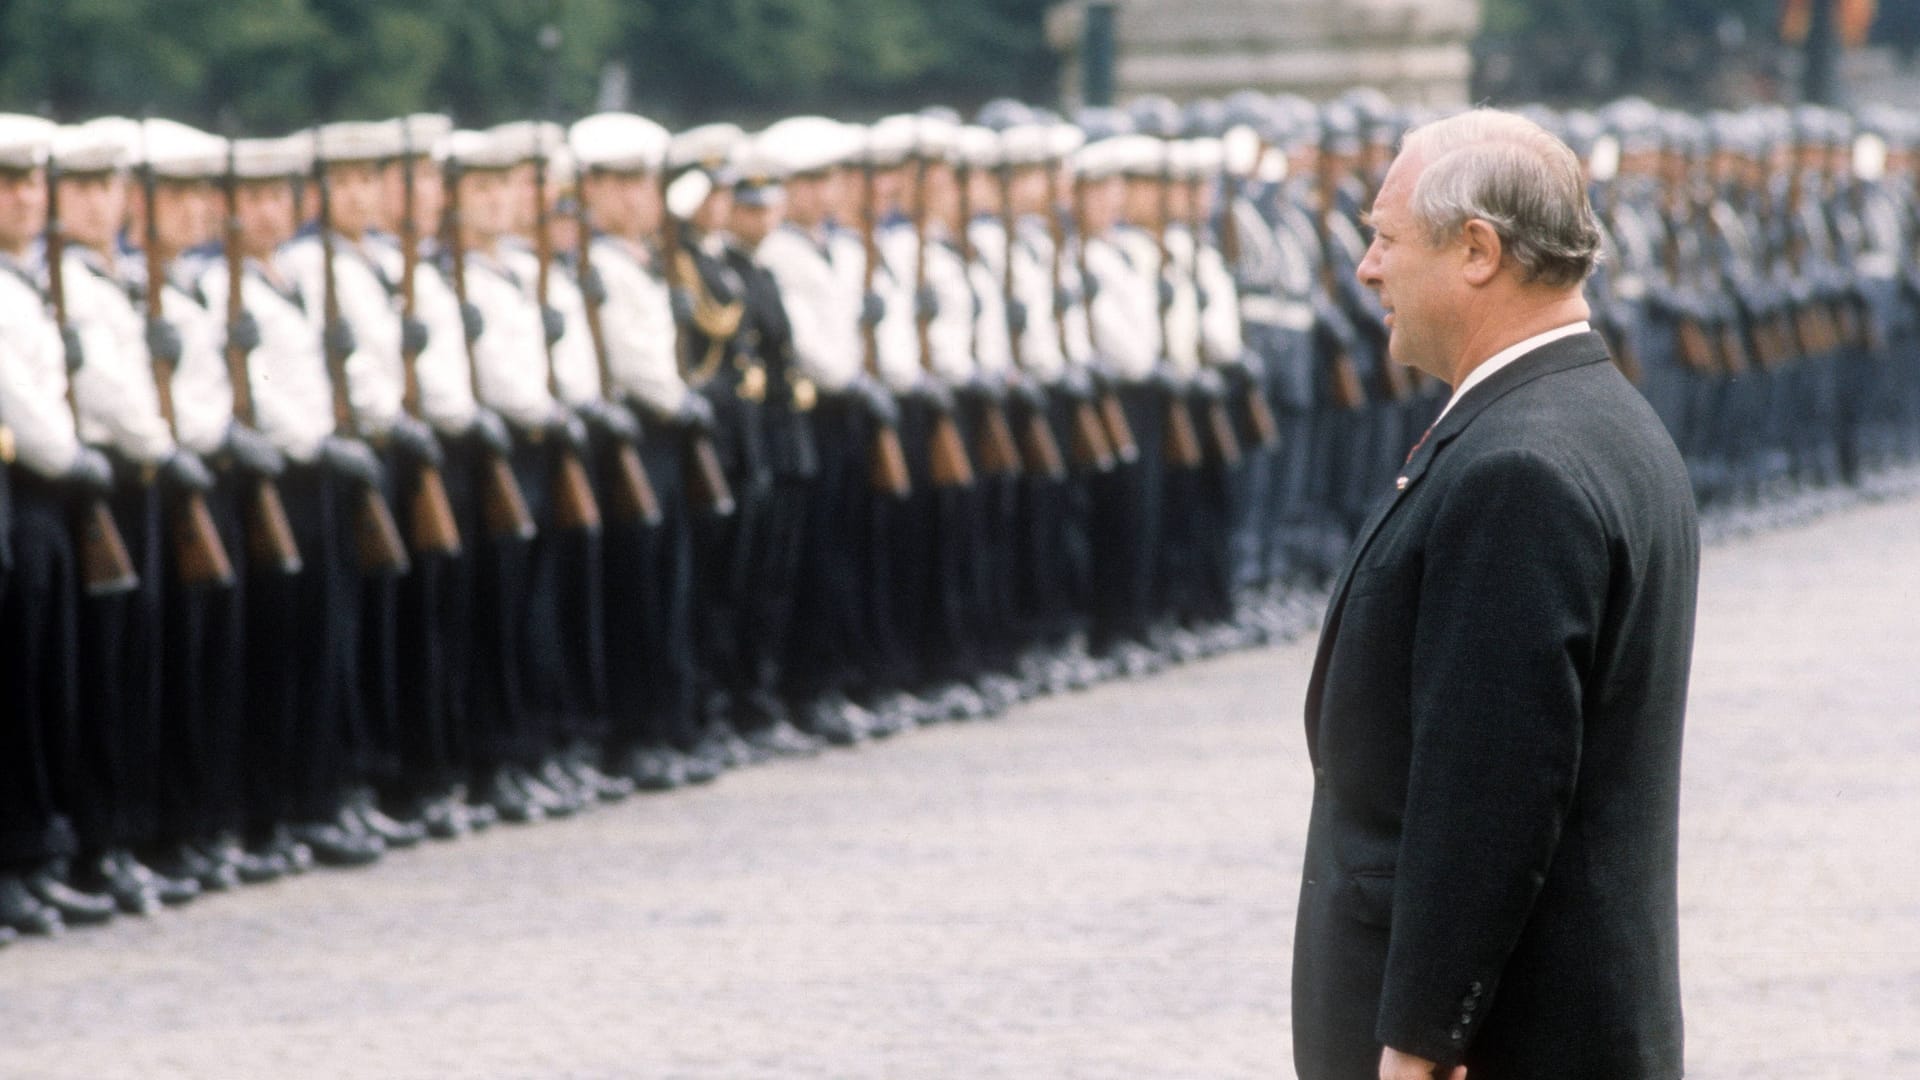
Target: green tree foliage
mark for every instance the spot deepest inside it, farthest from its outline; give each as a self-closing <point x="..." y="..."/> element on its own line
<point x="279" y="64"/>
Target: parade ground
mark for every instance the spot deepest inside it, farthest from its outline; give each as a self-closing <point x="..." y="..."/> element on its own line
<point x="1098" y="885"/>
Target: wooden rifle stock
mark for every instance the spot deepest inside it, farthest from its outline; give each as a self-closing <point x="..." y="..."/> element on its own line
<point x="889" y="459"/>
<point x="574" y="506"/>
<point x="503" y="506"/>
<point x="270" y="541"/>
<point x="1090" y="448"/>
<point x="948" y="464"/>
<point x="1182" y="440"/>
<point x="376" y="535"/>
<point x="998" y="453"/>
<point x="1266" y="430"/>
<point x="106" y="568"/>
<point x="707" y="485"/>
<point x="1039" y="450"/>
<point x="633" y="497"/>
<point x="1113" y="416"/>
<point x="432" y="528"/>
<point x="200" y="558"/>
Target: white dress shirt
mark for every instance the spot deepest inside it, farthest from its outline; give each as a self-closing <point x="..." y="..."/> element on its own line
<point x="1507" y="356"/>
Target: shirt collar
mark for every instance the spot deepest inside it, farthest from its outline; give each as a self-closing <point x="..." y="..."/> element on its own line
<point x="1507" y="356"/>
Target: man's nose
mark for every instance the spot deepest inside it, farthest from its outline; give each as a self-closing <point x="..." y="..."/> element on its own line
<point x="1368" y="272"/>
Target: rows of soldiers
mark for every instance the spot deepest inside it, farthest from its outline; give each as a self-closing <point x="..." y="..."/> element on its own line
<point x="386" y="481"/>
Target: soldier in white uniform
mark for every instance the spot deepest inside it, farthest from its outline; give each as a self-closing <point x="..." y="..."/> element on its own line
<point x="363" y="272"/>
<point x="45" y="466"/>
<point x="109" y="784"/>
<point x="203" y="797"/>
<point x="650" y="677"/>
<point x="302" y="629"/>
<point x="521" y="670"/>
<point x="816" y="265"/>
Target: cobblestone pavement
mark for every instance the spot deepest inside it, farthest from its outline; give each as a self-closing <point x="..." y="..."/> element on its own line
<point x="1098" y="886"/>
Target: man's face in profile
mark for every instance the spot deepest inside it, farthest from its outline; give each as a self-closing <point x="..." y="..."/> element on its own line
<point x="1418" y="283"/>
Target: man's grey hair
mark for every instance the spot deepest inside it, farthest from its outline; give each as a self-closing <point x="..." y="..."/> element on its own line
<point x="1514" y="175"/>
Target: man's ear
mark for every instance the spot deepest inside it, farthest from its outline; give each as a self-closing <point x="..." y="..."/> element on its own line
<point x="1482" y="251"/>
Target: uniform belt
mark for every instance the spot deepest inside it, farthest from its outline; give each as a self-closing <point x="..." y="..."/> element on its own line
<point x="1876" y="264"/>
<point x="1273" y="311"/>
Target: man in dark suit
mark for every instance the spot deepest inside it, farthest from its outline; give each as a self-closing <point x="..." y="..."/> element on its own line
<point x="1495" y="712"/>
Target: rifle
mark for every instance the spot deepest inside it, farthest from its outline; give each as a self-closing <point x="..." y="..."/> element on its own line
<point x="106" y="569"/>
<point x="1182" y="440"/>
<point x="947" y="454"/>
<point x="1219" y="425"/>
<point x="1349" y="392"/>
<point x="270" y="541"/>
<point x="1260" y="418"/>
<point x="998" y="453"/>
<point x="1037" y="444"/>
<point x="202" y="558"/>
<point x="633" y="494"/>
<point x="574" y="506"/>
<point x="889" y="458"/>
<point x="503" y="506"/>
<point x="433" y="528"/>
<point x="376" y="535"/>
<point x="706" y="480"/>
<point x="1090" y="448"/>
<point x="1113" y="416"/>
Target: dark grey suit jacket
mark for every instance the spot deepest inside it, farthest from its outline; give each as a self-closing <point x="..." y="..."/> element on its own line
<point x="1494" y="720"/>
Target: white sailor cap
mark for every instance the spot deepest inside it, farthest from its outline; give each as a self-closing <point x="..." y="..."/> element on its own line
<point x="1138" y="155"/>
<point x="1197" y="159"/>
<point x="176" y="151"/>
<point x="421" y="134"/>
<point x="24" y="141"/>
<point x="273" y="159"/>
<point x="708" y="146"/>
<point x="977" y="147"/>
<point x="96" y="146"/>
<point x="800" y="145"/>
<point x="478" y="150"/>
<point x="619" y="142"/>
<point x="1063" y="139"/>
<point x="686" y="194"/>
<point x="891" y="141"/>
<point x="525" y="140"/>
<point x="1026" y="144"/>
<point x="938" y="139"/>
<point x="357" y="141"/>
<point x="1096" y="161"/>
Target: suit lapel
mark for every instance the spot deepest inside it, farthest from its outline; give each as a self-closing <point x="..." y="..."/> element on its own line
<point x="1565" y="354"/>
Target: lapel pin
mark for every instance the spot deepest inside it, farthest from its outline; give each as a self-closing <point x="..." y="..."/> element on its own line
<point x="1400" y="483"/>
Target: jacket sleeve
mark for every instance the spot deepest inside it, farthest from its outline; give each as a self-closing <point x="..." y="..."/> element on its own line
<point x="1510" y="606"/>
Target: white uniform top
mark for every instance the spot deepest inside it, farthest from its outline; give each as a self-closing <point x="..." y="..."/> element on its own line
<point x="1126" y="308"/>
<point x="445" y="378"/>
<point x="950" y="335"/>
<point x="993" y="350"/>
<point x="822" y="303"/>
<point x="118" y="402"/>
<point x="287" y="373"/>
<point x="576" y="366"/>
<point x="510" y="353"/>
<point x="898" y="334"/>
<point x="366" y="276"/>
<point x="1214" y="332"/>
<point x="1039" y="347"/>
<point x="637" y="322"/>
<point x="202" y="392"/>
<point x="33" y="376"/>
